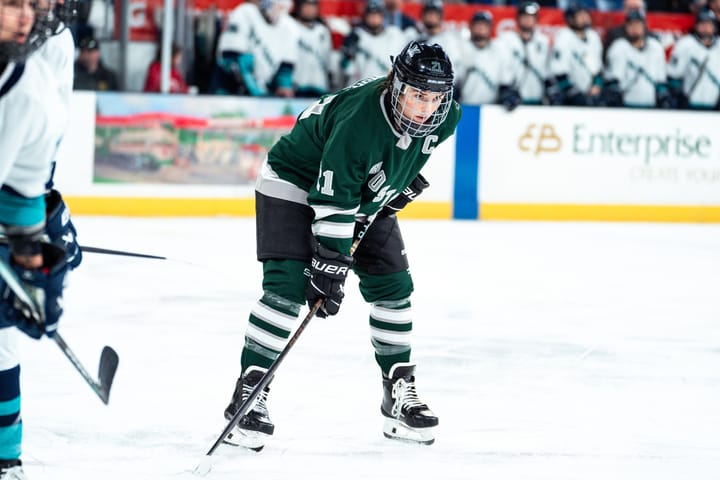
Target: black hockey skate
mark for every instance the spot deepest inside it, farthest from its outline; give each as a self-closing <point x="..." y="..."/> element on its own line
<point x="11" y="470"/>
<point x="255" y="426"/>
<point x="407" y="418"/>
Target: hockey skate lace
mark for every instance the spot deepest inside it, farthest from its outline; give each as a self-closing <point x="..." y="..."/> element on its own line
<point x="405" y="397"/>
<point x="259" y="403"/>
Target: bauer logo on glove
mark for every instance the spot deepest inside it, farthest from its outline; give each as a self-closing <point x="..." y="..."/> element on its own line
<point x="327" y="280"/>
<point x="328" y="268"/>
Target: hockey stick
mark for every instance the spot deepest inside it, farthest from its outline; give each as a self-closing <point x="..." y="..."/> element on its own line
<point x="105" y="251"/>
<point x="106" y="370"/>
<point x="108" y="358"/>
<point x="205" y="465"/>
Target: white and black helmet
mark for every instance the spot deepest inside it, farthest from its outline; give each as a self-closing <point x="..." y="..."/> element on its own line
<point x="426" y="68"/>
<point x="66" y="12"/>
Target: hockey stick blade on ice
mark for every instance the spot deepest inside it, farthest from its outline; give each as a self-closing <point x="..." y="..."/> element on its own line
<point x="106" y="251"/>
<point x="108" y="358"/>
<point x="109" y="361"/>
<point x="205" y="465"/>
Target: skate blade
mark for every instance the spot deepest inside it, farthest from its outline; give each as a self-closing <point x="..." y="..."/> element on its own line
<point x="397" y="430"/>
<point x="254" y="441"/>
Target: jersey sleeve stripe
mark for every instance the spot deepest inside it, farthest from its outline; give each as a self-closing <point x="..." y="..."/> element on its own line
<point x="333" y="229"/>
<point x="270" y="185"/>
<point x="324" y="211"/>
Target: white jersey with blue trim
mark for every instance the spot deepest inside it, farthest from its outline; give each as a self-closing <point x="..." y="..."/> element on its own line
<point x="59" y="52"/>
<point x="577" y="57"/>
<point x="314" y="50"/>
<point x="637" y="70"/>
<point x="373" y="53"/>
<point x="33" y="111"/>
<point x="269" y="44"/>
<point x="479" y="81"/>
<point x="235" y="35"/>
<point x="699" y="68"/>
<point x="527" y="64"/>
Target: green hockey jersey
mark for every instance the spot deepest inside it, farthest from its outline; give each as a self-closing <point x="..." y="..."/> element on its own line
<point x="347" y="156"/>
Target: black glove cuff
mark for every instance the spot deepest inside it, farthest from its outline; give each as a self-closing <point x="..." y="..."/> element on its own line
<point x="419" y="184"/>
<point x="406" y="196"/>
<point x="25" y="244"/>
<point x="53" y="202"/>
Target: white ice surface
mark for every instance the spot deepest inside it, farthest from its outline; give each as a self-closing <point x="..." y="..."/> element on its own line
<point x="548" y="350"/>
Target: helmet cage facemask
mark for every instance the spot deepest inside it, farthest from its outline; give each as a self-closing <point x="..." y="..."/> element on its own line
<point x="42" y="29"/>
<point x="407" y="125"/>
<point x="62" y="15"/>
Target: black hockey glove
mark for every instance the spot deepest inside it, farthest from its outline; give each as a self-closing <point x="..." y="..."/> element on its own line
<point x="406" y="196"/>
<point x="576" y="98"/>
<point x="675" y="87"/>
<point x="664" y="99"/>
<point x="60" y="228"/>
<point x="45" y="285"/>
<point x="509" y="97"/>
<point x="327" y="280"/>
<point x="350" y="47"/>
<point x="612" y="94"/>
<point x="554" y="92"/>
<point x="22" y="241"/>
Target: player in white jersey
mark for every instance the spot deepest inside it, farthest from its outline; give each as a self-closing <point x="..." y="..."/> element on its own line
<point x="482" y="62"/>
<point x="694" y="67"/>
<point x="635" y="72"/>
<point x="525" y="75"/>
<point x="30" y="128"/>
<point x="312" y="71"/>
<point x="367" y="49"/>
<point x="714" y="6"/>
<point x="576" y="61"/>
<point x="59" y="53"/>
<point x="432" y="29"/>
<point x="257" y="50"/>
<point x="59" y="49"/>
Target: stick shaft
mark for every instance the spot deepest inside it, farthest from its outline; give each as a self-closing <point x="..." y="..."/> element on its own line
<point x="97" y="388"/>
<point x="17" y="287"/>
<point x="245" y="405"/>
<point x="106" y="251"/>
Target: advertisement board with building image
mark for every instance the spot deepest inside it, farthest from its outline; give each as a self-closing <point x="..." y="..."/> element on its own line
<point x="186" y="140"/>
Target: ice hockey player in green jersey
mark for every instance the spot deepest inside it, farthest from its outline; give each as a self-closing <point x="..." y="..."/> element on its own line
<point x="353" y="157"/>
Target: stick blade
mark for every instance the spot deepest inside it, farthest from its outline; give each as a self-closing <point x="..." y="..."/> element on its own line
<point x="203" y="467"/>
<point x="109" y="361"/>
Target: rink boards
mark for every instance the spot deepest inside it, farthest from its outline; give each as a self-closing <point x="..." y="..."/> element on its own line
<point x="168" y="156"/>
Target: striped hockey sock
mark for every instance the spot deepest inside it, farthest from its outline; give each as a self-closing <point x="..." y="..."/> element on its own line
<point x="10" y="420"/>
<point x="390" y="329"/>
<point x="270" y="324"/>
